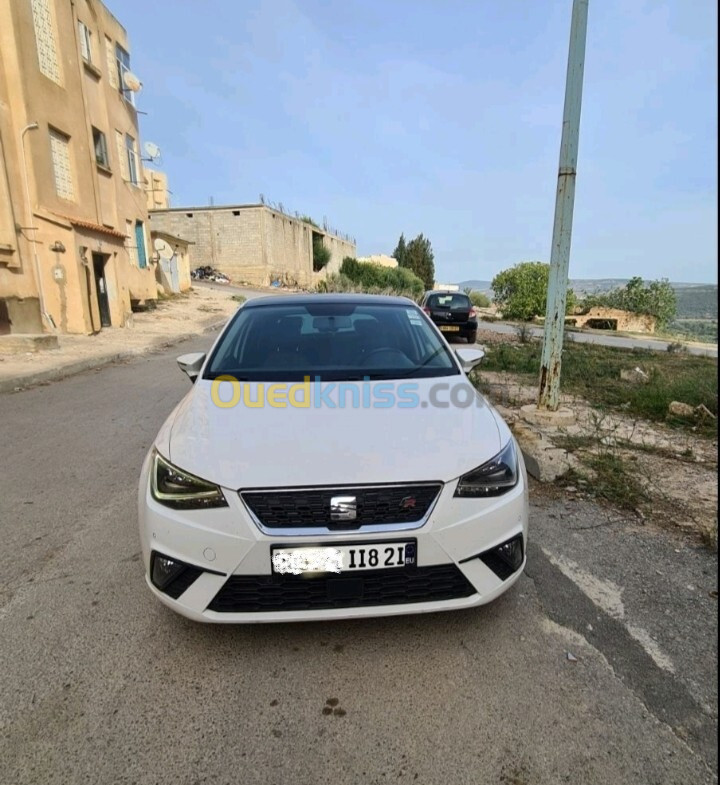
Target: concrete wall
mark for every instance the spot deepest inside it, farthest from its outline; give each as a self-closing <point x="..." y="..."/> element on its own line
<point x="251" y="244"/>
<point x="94" y="217"/>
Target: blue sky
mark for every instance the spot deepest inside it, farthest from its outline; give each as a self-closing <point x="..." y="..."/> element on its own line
<point x="443" y="117"/>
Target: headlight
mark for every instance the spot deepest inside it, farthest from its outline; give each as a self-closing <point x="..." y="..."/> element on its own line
<point x="493" y="478"/>
<point x="180" y="490"/>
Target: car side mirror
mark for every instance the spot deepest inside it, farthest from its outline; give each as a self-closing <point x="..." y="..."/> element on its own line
<point x="469" y="358"/>
<point x="191" y="364"/>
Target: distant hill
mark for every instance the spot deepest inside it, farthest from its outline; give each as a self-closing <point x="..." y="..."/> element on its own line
<point x="478" y="286"/>
<point x="694" y="300"/>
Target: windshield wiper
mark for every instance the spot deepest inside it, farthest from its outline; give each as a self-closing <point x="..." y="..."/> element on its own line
<point x="424" y="362"/>
<point x="213" y="376"/>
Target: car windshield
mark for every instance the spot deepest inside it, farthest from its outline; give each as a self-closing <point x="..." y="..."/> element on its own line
<point x="453" y="302"/>
<point x="335" y="341"/>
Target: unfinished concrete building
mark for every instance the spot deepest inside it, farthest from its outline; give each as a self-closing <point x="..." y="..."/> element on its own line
<point x="254" y="243"/>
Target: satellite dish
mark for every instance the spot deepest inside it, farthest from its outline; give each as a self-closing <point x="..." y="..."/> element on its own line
<point x="164" y="249"/>
<point x="131" y="81"/>
<point x="151" y="150"/>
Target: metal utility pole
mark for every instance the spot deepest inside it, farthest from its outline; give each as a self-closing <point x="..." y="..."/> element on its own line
<point x="549" y="396"/>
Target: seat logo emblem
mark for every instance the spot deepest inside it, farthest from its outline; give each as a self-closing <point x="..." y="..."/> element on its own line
<point x="343" y="508"/>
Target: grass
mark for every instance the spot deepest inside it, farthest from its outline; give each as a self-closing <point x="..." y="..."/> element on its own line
<point x="614" y="482"/>
<point x="238" y="298"/>
<point x="593" y="372"/>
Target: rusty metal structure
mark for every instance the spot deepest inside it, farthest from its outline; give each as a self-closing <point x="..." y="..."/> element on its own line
<point x="549" y="394"/>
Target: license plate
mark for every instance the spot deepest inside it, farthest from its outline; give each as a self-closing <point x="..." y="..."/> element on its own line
<point x="446" y="328"/>
<point x="344" y="558"/>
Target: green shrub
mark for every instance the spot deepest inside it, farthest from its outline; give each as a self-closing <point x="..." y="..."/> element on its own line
<point x="375" y="277"/>
<point x="478" y="299"/>
<point x="521" y="291"/>
<point x="321" y="254"/>
<point x="657" y="298"/>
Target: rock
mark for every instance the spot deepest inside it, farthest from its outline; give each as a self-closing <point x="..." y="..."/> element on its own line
<point x="543" y="460"/>
<point x="680" y="409"/>
<point x="636" y="375"/>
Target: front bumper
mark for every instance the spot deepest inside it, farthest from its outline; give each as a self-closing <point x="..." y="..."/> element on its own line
<point x="226" y="542"/>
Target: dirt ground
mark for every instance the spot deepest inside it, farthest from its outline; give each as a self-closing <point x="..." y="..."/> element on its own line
<point x="188" y="313"/>
<point x="676" y="469"/>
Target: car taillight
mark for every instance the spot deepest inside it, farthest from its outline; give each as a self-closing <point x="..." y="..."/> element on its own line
<point x="473" y="313"/>
<point x="426" y="310"/>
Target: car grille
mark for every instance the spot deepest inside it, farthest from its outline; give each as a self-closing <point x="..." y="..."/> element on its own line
<point x="362" y="589"/>
<point x="308" y="508"/>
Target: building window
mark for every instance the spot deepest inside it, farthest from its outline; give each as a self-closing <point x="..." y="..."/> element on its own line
<point x="100" y="147"/>
<point x="111" y="64"/>
<point x="140" y="243"/>
<point x="60" y="153"/>
<point x="122" y="59"/>
<point x="45" y="39"/>
<point x="85" y="42"/>
<point x="130" y="242"/>
<point x="132" y="159"/>
<point x="122" y="155"/>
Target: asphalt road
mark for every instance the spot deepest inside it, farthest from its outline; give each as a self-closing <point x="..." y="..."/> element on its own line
<point x="603" y="339"/>
<point x="99" y="683"/>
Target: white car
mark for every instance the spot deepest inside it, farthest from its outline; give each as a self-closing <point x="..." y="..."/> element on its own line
<point x="331" y="461"/>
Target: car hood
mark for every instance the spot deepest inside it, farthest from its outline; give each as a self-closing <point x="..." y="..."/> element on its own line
<point x="243" y="447"/>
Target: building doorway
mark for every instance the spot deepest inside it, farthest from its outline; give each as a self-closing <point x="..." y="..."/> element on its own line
<point x="99" y="261"/>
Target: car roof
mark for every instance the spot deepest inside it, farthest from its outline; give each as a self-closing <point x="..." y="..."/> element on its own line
<point x="308" y="299"/>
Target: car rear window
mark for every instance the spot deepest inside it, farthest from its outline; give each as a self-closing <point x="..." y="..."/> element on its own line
<point x="453" y="302"/>
<point x="335" y="341"/>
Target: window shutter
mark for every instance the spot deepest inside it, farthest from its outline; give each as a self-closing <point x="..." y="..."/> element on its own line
<point x="60" y="153"/>
<point x="130" y="242"/>
<point x="122" y="155"/>
<point x="84" y="35"/>
<point x="45" y="39"/>
<point x="111" y="64"/>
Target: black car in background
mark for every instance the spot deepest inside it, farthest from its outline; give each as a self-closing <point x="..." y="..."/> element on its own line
<point x="452" y="312"/>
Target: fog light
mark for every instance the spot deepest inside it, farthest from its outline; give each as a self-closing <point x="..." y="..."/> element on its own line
<point x="164" y="570"/>
<point x="512" y="552"/>
<point x="506" y="559"/>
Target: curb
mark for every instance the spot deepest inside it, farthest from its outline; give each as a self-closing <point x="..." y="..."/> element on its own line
<point x="25" y="381"/>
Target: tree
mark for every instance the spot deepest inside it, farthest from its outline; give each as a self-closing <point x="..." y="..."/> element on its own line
<point x="656" y="299"/>
<point x="419" y="258"/>
<point x="400" y="251"/>
<point x="521" y="291"/>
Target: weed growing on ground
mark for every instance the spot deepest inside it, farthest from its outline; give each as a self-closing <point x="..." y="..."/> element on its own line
<point x="593" y="373"/>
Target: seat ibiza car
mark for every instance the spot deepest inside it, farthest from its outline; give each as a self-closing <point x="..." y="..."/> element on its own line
<point x="331" y="460"/>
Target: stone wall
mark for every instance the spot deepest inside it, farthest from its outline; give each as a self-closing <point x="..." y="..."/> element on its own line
<point x="601" y="318"/>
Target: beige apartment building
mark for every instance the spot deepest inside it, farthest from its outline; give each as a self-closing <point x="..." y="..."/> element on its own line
<point x="156" y="189"/>
<point x="74" y="236"/>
